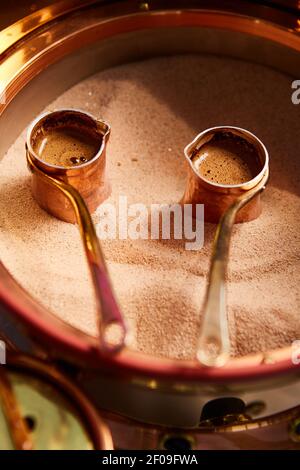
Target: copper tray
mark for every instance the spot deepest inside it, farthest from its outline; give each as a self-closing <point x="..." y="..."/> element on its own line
<point x="47" y="52"/>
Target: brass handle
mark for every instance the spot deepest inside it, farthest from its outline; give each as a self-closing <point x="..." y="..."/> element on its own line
<point x="108" y="310"/>
<point x="214" y="342"/>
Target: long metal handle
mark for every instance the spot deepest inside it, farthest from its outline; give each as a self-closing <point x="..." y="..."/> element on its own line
<point x="109" y="314"/>
<point x="214" y="342"/>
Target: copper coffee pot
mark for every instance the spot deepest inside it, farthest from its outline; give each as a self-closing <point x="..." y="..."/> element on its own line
<point x="225" y="204"/>
<point x="71" y="194"/>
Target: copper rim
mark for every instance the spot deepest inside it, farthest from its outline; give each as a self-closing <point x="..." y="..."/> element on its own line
<point x="242" y="132"/>
<point x="68" y="37"/>
<point x="41" y="117"/>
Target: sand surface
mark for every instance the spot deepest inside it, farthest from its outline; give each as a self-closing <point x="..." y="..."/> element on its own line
<point x="155" y="108"/>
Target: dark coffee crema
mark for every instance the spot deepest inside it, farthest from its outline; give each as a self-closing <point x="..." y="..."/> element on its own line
<point x="66" y="146"/>
<point x="227" y="159"/>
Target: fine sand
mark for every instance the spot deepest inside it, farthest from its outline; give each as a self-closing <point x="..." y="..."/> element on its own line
<point x="155" y="108"/>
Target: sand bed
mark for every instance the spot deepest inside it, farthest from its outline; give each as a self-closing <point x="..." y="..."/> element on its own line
<point x="155" y="108"/>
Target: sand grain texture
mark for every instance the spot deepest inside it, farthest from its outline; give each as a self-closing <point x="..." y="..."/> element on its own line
<point x="155" y="108"/>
